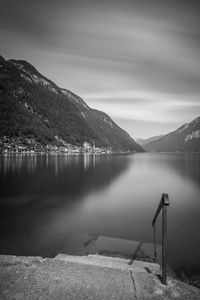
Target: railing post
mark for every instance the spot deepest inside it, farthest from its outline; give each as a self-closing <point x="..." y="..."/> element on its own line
<point x="155" y="242"/>
<point x="165" y="202"/>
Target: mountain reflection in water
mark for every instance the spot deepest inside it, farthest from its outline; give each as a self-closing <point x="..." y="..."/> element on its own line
<point x="42" y="196"/>
<point x="46" y="199"/>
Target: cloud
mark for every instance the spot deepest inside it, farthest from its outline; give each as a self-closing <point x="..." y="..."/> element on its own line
<point x="136" y="60"/>
<point x="153" y="111"/>
<point x="145" y="105"/>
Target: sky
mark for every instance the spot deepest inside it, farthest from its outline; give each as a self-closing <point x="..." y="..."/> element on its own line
<point x="138" y="61"/>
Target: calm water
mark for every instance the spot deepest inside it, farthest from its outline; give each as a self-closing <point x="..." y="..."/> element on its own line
<point x="46" y="199"/>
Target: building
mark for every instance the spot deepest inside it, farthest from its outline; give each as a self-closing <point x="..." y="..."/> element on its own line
<point x="87" y="146"/>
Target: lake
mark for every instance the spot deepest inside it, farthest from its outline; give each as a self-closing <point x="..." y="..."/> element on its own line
<point x="47" y="199"/>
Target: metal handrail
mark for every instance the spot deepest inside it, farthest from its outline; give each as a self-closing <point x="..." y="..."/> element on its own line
<point x="164" y="202"/>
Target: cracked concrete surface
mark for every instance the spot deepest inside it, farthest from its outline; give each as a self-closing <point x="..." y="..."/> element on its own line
<point x="134" y="286"/>
<point x="88" y="277"/>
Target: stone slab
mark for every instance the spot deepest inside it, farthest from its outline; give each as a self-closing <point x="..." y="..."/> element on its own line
<point x="54" y="279"/>
<point x="37" y="278"/>
<point x="133" y="250"/>
<point x="112" y="262"/>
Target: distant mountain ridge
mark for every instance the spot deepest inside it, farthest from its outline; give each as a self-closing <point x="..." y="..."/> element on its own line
<point x="145" y="141"/>
<point x="35" y="107"/>
<point x="185" y="138"/>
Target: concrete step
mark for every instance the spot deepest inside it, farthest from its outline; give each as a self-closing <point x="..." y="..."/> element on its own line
<point x="112" y="262"/>
<point x="83" y="243"/>
<point x="93" y="277"/>
<point x="133" y="250"/>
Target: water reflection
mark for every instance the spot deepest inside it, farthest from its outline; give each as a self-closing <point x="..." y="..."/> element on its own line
<point x="42" y="196"/>
<point x="47" y="199"/>
<point x="56" y="174"/>
<point x="185" y="165"/>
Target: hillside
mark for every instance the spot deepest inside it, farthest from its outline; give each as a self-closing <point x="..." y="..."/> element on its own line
<point x="142" y="142"/>
<point x="185" y="138"/>
<point x="33" y="107"/>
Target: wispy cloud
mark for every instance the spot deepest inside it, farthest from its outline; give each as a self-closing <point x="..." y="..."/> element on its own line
<point x="136" y="60"/>
<point x="144" y="106"/>
<point x="156" y="112"/>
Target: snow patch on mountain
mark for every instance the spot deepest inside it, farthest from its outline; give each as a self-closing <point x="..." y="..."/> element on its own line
<point x="44" y="82"/>
<point x="25" y="77"/>
<point x="194" y="135"/>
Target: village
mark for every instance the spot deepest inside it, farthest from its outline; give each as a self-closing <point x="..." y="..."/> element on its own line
<point x="30" y="146"/>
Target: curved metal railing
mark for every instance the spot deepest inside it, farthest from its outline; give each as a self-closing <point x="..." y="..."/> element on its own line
<point x="164" y="202"/>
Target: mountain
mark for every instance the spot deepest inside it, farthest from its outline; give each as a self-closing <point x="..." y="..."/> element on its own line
<point x="142" y="142"/>
<point x="185" y="138"/>
<point x="33" y="107"/>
